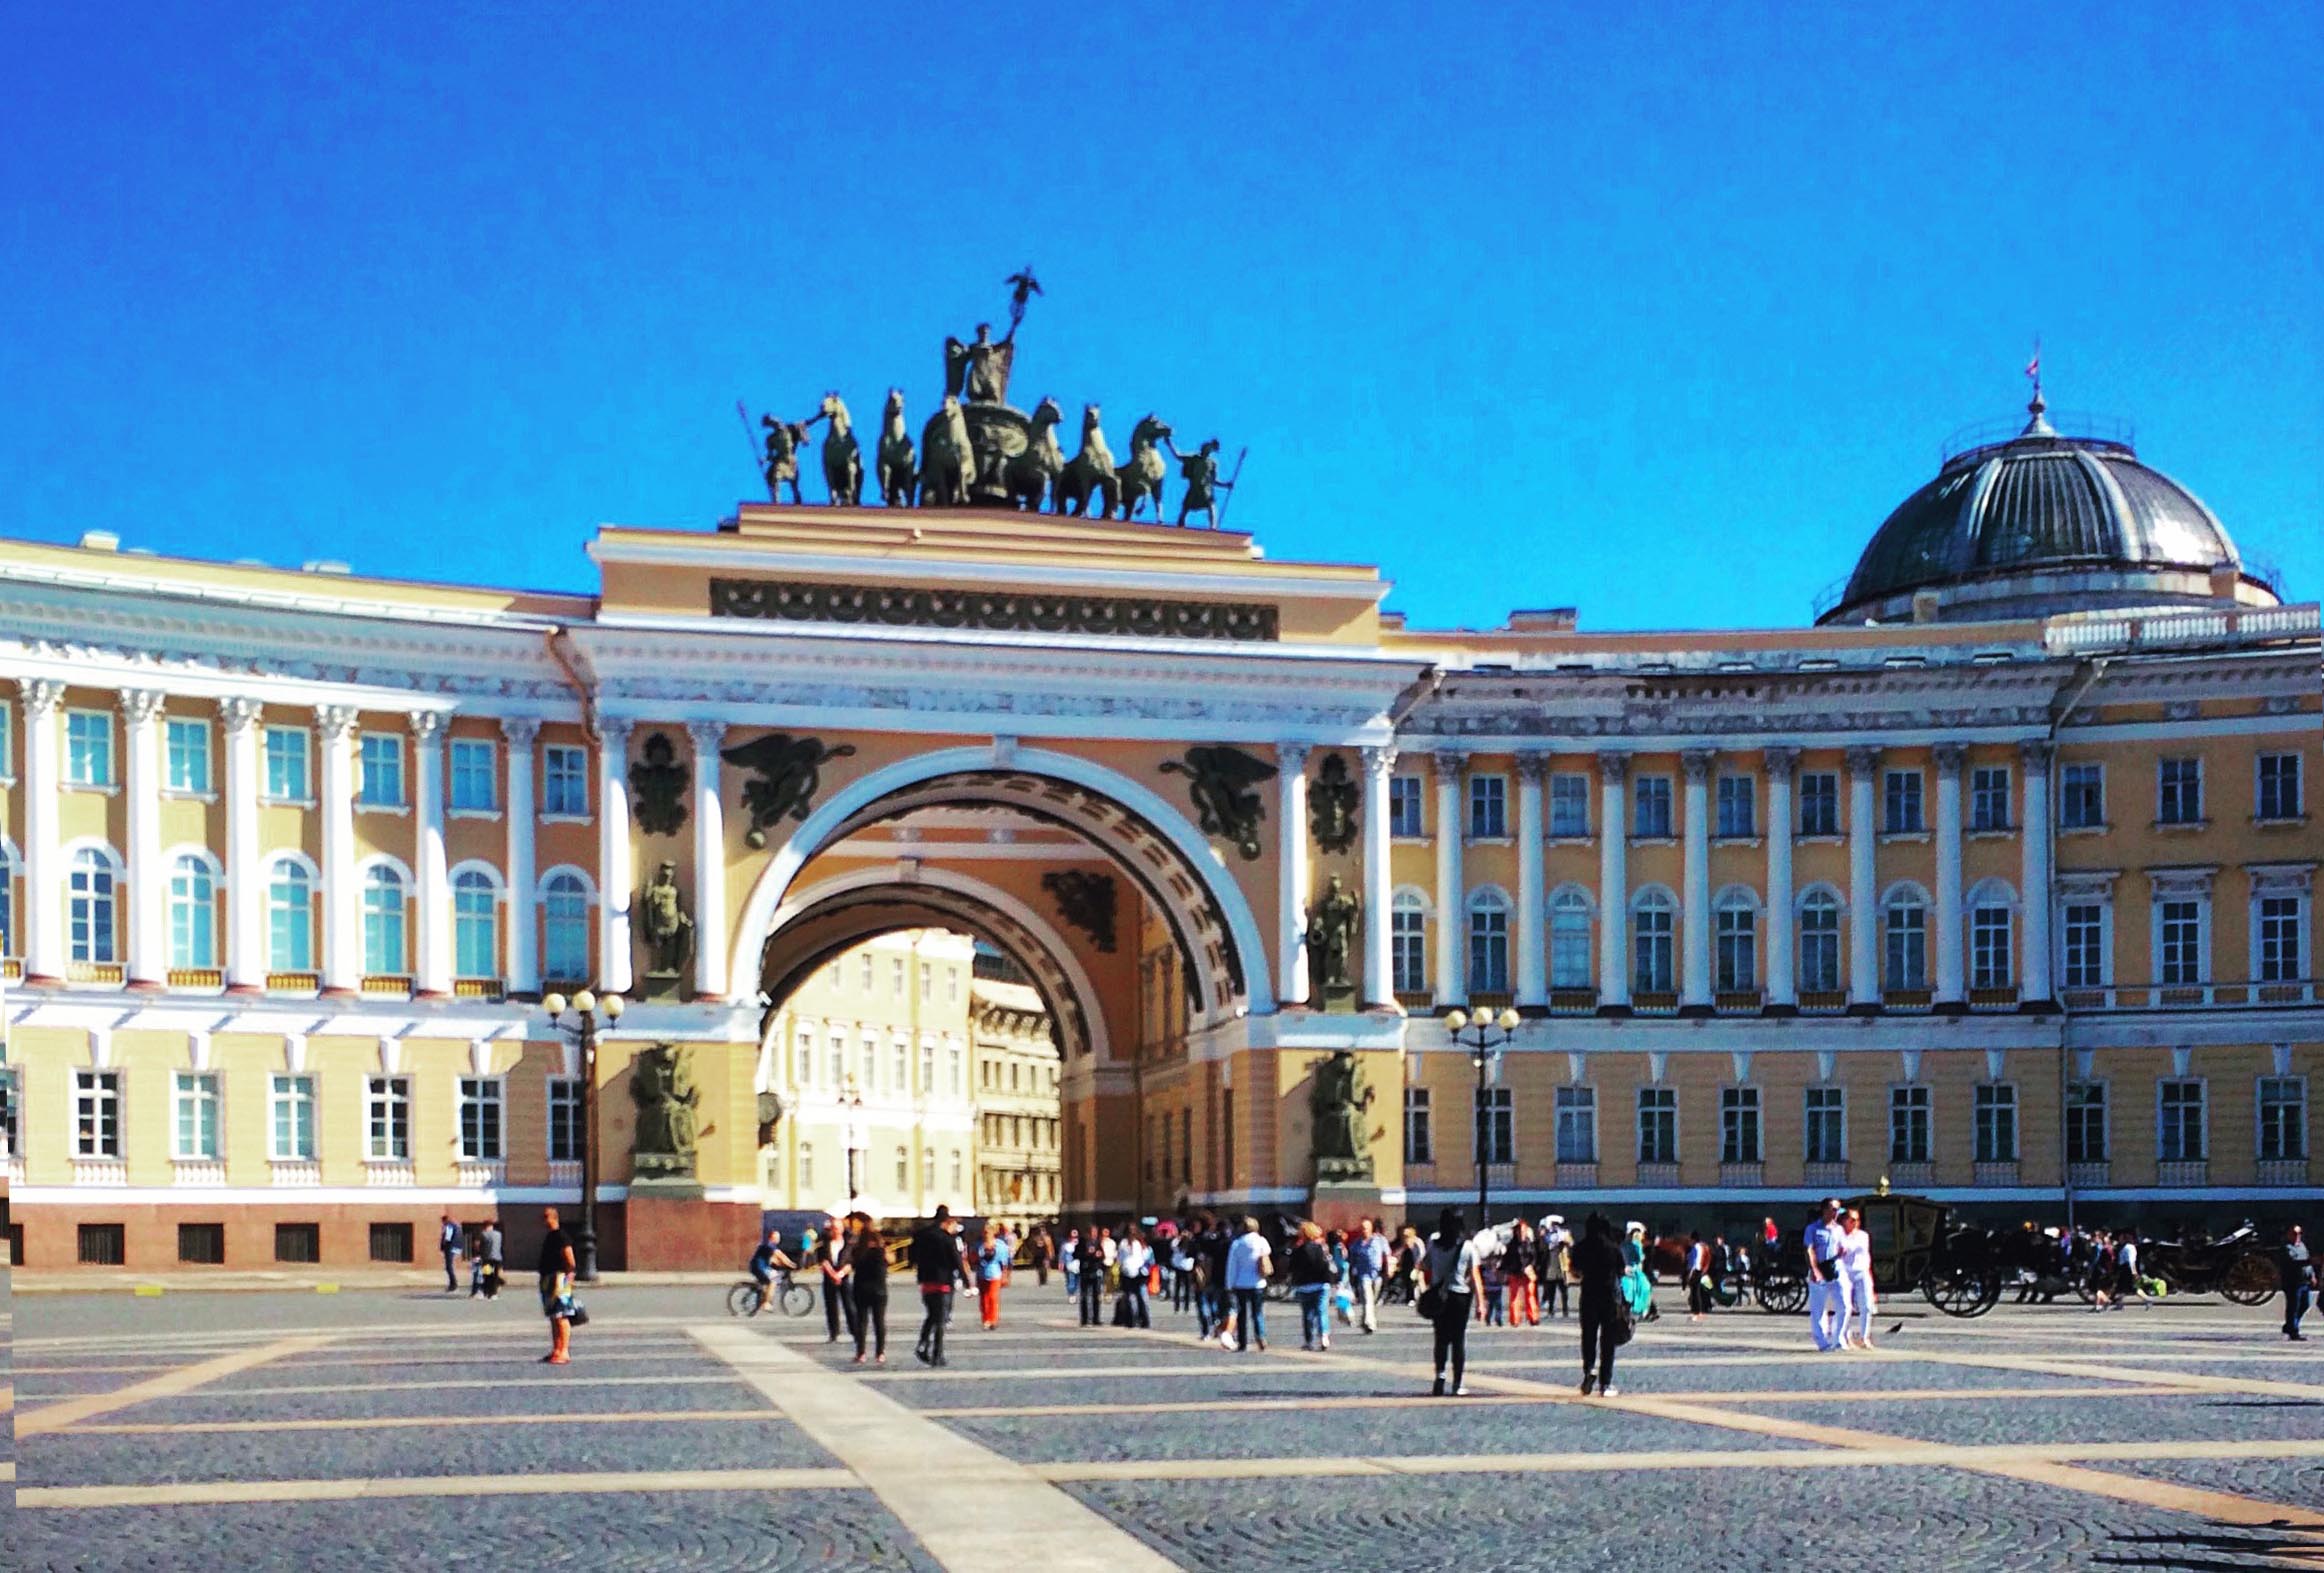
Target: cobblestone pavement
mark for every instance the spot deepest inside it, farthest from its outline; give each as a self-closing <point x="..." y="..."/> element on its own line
<point x="384" y="1429"/>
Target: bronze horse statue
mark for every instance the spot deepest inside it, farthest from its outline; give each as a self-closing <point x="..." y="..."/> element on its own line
<point x="1142" y="476"/>
<point x="1031" y="474"/>
<point x="842" y="459"/>
<point x="899" y="471"/>
<point x="1088" y="478"/>
<point x="947" y="460"/>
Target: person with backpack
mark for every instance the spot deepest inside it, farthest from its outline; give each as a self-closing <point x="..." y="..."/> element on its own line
<point x="1456" y="1287"/>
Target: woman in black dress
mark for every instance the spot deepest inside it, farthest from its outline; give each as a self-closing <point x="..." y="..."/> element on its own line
<point x="867" y="1274"/>
<point x="1599" y="1262"/>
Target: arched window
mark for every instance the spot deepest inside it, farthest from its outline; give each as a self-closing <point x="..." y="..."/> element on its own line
<point x="383" y="922"/>
<point x="1569" y="939"/>
<point x="1489" y="941"/>
<point x="475" y="925"/>
<point x="193" y="913"/>
<point x="90" y="905"/>
<point x="565" y="928"/>
<point x="1992" y="936"/>
<point x="1652" y="943"/>
<point x="290" y="917"/>
<point x="1737" y="955"/>
<point x="1408" y="942"/>
<point x="1819" y="943"/>
<point x="1905" y="940"/>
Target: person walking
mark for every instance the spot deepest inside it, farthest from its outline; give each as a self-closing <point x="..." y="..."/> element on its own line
<point x="1134" y="1261"/>
<point x="1455" y="1286"/>
<point x="1311" y="1285"/>
<point x="1089" y="1270"/>
<point x="2299" y="1282"/>
<point x="1637" y="1285"/>
<point x="556" y="1270"/>
<point x="1069" y="1261"/>
<point x="867" y="1290"/>
<point x="489" y="1253"/>
<point x="2127" y="1278"/>
<point x="1182" y="1293"/>
<point x="1249" y="1261"/>
<point x="831" y="1265"/>
<point x="1827" y="1310"/>
<point x="1521" y="1268"/>
<point x="1856" y="1280"/>
<point x="1698" y="1271"/>
<point x="937" y="1265"/>
<point x="992" y="1271"/>
<point x="1553" y="1258"/>
<point x="1367" y="1266"/>
<point x="1599" y="1263"/>
<point x="448" y="1240"/>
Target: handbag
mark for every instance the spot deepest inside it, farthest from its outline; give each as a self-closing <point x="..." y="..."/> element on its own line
<point x="573" y="1311"/>
<point x="1625" y="1324"/>
<point x="1430" y="1302"/>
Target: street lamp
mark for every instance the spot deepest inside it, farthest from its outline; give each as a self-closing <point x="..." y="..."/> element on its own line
<point x="583" y="1027"/>
<point x="852" y="1135"/>
<point x="1491" y="1032"/>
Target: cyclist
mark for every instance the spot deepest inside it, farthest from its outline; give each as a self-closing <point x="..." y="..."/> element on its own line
<point x="769" y="1260"/>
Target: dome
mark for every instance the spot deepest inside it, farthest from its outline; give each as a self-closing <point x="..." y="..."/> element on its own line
<point x="2044" y="523"/>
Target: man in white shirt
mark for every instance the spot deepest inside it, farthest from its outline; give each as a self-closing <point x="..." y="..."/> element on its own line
<point x="1827" y="1301"/>
<point x="1249" y="1260"/>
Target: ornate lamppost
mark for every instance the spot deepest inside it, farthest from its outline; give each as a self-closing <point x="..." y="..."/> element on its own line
<point x="585" y="1007"/>
<point x="853" y="1135"/>
<point x="1491" y="1034"/>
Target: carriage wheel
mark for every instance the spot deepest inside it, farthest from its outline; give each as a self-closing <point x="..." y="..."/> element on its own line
<point x="2249" y="1280"/>
<point x="1781" y="1294"/>
<point x="1962" y="1292"/>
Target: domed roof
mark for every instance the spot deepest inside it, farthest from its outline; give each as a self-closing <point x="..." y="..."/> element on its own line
<point x="2039" y="523"/>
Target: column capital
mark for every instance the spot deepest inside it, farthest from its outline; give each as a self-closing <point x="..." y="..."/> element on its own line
<point x="2037" y="752"/>
<point x="141" y="704"/>
<point x="1949" y="758"/>
<point x="42" y="696"/>
<point x="1613" y="764"/>
<point x="238" y="712"/>
<point x="1697" y="763"/>
<point x="428" y="727"/>
<point x="614" y="730"/>
<point x="1532" y="766"/>
<point x="1863" y="759"/>
<point x="1380" y="762"/>
<point x="1291" y="758"/>
<point x="707" y="736"/>
<point x="522" y="731"/>
<point x="1781" y="759"/>
<point x="335" y="722"/>
<point x="1449" y="757"/>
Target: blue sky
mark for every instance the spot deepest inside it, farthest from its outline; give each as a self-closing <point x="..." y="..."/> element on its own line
<point x="1657" y="313"/>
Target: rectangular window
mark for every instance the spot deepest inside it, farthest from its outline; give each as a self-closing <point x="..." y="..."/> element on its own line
<point x="387" y="1119"/>
<point x="1827" y="1125"/>
<point x="1996" y="1122"/>
<point x="381" y="758"/>
<point x="565" y="1113"/>
<point x="203" y="1244"/>
<point x="565" y="780"/>
<point x="1408" y="946"/>
<point x="480" y="1119"/>
<point x="1738" y="950"/>
<point x="391" y="1242"/>
<point x="2085" y="945"/>
<point x="286" y="764"/>
<point x="1989" y="798"/>
<point x="1904" y="935"/>
<point x="1419" y="1139"/>
<point x="1569" y="805"/>
<point x="863" y="974"/>
<point x="2081" y="797"/>
<point x="89" y="748"/>
<point x="1819" y="803"/>
<point x="1569" y="944"/>
<point x="1489" y="948"/>
<point x="293" y="1102"/>
<point x="1652" y="808"/>
<point x="1658" y="1125"/>
<point x="896" y="977"/>
<point x="1496" y="1125"/>
<point x="836" y="1059"/>
<point x="96" y="1114"/>
<point x="11" y="1116"/>
<point x="2282" y="947"/>
<point x="1738" y="818"/>
<point x="1577" y="1125"/>
<point x="1404" y="806"/>
<point x="301" y="1243"/>
<point x="187" y="747"/>
<point x="927" y="1068"/>
<point x="1819" y="945"/>
<point x="1651" y="944"/>
<point x="103" y="1244"/>
<point x="927" y="982"/>
<point x="2086" y="1122"/>
<point x="1990" y="948"/>
<point x="1901" y="803"/>
<point x="956" y="1068"/>
<point x="1739" y="1125"/>
<point x="1908" y="1125"/>
<point x="2179" y="926"/>
<point x="2179" y="1122"/>
<point x="1488" y="807"/>
<point x="7" y="758"/>
<point x="2178" y="791"/>
<point x="2279" y="787"/>
<point x="2283" y="1118"/>
<point x="197" y="1115"/>
<point x="474" y="762"/>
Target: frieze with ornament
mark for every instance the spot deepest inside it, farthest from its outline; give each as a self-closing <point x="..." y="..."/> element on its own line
<point x="993" y="611"/>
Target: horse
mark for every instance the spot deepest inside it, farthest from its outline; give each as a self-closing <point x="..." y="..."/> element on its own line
<point x="947" y="461"/>
<point x="1031" y="474"/>
<point x="842" y="460"/>
<point x="1089" y="476"/>
<point x="898" y="470"/>
<point x="1142" y="476"/>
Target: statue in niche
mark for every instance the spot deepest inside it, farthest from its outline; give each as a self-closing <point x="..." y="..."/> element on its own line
<point x="1333" y="802"/>
<point x="665" y="925"/>
<point x="661" y="1084"/>
<point x="1331" y="941"/>
<point x="1338" y="1102"/>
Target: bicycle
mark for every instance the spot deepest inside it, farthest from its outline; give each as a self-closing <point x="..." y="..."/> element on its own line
<point x="749" y="1297"/>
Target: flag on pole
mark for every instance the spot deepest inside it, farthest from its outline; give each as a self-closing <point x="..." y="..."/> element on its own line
<point x="2033" y="368"/>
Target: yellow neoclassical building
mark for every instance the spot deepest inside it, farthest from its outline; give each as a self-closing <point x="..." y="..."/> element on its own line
<point x="1996" y="879"/>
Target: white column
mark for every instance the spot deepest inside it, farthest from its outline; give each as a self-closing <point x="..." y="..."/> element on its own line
<point x="1695" y="876"/>
<point x="2034" y="900"/>
<point x="523" y="808"/>
<point x="434" y="897"/>
<point x="148" y="879"/>
<point x="1863" y="875"/>
<point x="342" y="895"/>
<point x="45" y="949"/>
<point x="1291" y="874"/>
<point x="1952" y="978"/>
<point x="1782" y="972"/>
<point x="1379" y="892"/>
<point x="1613" y="883"/>
<point x="710" y="980"/>
<point x="246" y="950"/>
<point x="613" y="854"/>
<point x="1532" y="955"/>
<point x="1452" y="925"/>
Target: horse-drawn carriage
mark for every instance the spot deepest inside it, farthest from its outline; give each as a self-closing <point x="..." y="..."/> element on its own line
<point x="1916" y="1245"/>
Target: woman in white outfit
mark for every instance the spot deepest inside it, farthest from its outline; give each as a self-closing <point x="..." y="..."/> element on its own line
<point x="1856" y="1283"/>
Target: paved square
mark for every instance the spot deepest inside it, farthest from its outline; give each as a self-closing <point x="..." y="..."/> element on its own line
<point x="370" y="1430"/>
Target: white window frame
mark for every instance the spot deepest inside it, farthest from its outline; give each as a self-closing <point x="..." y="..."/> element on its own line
<point x="1831" y="1115"/>
<point x="1904" y="787"/>
<point x="1735" y="940"/>
<point x="2082" y="1097"/>
<point x="2282" y="763"/>
<point x="1487" y="935"/>
<point x="1659" y="946"/>
<point x="276" y="763"/>
<point x="1729" y="791"/>
<point x="2201" y="901"/>
<point x="1990" y="798"/>
<point x="1819" y="790"/>
<point x="1569" y="806"/>
<point x="1658" y="790"/>
<point x="2202" y="1107"/>
<point x="463" y="882"/>
<point x="1576" y="1107"/>
<point x="564" y="780"/>
<point x="201" y="912"/>
<point x="1992" y="964"/>
<point x="2068" y="901"/>
<point x="1419" y="1120"/>
<point x="1493" y="1114"/>
<point x="199" y="780"/>
<point x="568" y="1111"/>
<point x="1821" y="900"/>
<point x="1994" y="1103"/>
<point x="1408" y="941"/>
<point x="201" y="1094"/>
<point x="1653" y="1102"/>
<point x="1899" y="900"/>
<point x="1912" y="1098"/>
<point x="1487" y="800"/>
<point x="366" y="911"/>
<point x="1742" y="1112"/>
<point x="581" y="923"/>
<point x="387" y="1112"/>
<point x="291" y="1094"/>
<point x="84" y="908"/>
<point x="2172" y="791"/>
<point x="2262" y="1103"/>
<point x="1407" y="808"/>
<point x="2069" y="775"/>
<point x="364" y="797"/>
<point x="89" y="759"/>
<point x="481" y="1093"/>
<point x="461" y="750"/>
<point x="99" y="1120"/>
<point x="1571" y="913"/>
